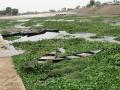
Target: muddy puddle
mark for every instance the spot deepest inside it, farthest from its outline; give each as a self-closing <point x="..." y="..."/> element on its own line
<point x="65" y="35"/>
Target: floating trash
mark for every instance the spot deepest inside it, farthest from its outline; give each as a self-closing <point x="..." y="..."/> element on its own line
<point x="53" y="57"/>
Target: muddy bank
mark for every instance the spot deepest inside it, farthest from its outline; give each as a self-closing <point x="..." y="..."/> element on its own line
<point x="29" y="33"/>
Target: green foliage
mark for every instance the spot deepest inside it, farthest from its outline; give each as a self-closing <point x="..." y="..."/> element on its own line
<point x="92" y="2"/>
<point x="95" y="25"/>
<point x="96" y="72"/>
<point x="34" y="67"/>
<point x="6" y="24"/>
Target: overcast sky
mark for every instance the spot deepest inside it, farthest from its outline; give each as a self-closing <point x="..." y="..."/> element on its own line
<point x="42" y="5"/>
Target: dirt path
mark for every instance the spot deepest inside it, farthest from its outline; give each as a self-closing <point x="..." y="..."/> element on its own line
<point x="9" y="80"/>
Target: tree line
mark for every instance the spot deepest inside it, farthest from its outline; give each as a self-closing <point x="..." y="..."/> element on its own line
<point x="9" y="11"/>
<point x="98" y="3"/>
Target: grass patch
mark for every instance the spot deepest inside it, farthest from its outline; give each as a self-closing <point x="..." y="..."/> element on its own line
<point x="11" y="38"/>
<point x="6" y="23"/>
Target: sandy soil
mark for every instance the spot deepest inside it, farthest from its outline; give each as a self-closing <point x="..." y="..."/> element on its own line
<point x="103" y="10"/>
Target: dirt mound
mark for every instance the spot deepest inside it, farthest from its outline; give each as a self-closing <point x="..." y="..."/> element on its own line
<point x="103" y="10"/>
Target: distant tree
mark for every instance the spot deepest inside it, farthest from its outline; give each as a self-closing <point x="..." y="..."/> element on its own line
<point x="8" y="11"/>
<point x="115" y="1"/>
<point x="88" y="5"/>
<point x="103" y="4"/>
<point x="15" y="11"/>
<point x="52" y="10"/>
<point x="98" y="3"/>
<point x="77" y="7"/>
<point x="3" y="12"/>
<point x="64" y="9"/>
<point x="69" y="9"/>
<point x="92" y="2"/>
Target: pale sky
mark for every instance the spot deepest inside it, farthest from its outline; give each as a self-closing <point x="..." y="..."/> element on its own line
<point x="42" y="5"/>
